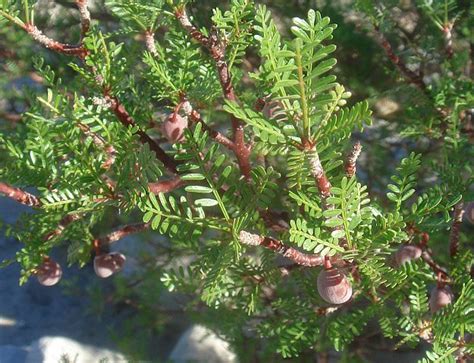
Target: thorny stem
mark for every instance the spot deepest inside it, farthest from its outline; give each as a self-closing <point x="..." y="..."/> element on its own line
<point x="217" y="50"/>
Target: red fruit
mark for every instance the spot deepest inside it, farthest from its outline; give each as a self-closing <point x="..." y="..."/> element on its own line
<point x="49" y="273"/>
<point x="469" y="212"/>
<point x="173" y="127"/>
<point x="407" y="253"/>
<point x="440" y="297"/>
<point x="333" y="286"/>
<point x="107" y="264"/>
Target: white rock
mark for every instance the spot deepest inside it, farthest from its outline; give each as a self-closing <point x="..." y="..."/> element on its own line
<point x="199" y="344"/>
<point x="55" y="349"/>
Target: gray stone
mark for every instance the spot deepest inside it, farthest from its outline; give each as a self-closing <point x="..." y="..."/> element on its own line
<point x="199" y="344"/>
<point x="61" y="349"/>
<point x="12" y="354"/>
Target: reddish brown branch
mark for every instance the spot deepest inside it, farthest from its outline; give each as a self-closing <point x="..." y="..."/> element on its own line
<point x="317" y="171"/>
<point x="68" y="49"/>
<point x="351" y="165"/>
<point x="19" y="195"/>
<point x="455" y="229"/>
<point x="63" y="223"/>
<point x="296" y="256"/>
<point x="411" y="76"/>
<point x="120" y="233"/>
<point x="126" y="119"/>
<point x="195" y="116"/>
<point x="217" y="50"/>
<point x="85" y="16"/>
<point x="166" y="186"/>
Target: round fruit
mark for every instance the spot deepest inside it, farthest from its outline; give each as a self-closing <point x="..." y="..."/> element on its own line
<point x="173" y="127"/>
<point x="49" y="273"/>
<point x="107" y="264"/>
<point x="407" y="253"/>
<point x="333" y="286"/>
<point x="440" y="297"/>
<point x="469" y="212"/>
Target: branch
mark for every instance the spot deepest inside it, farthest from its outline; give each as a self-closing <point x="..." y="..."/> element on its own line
<point x="351" y="166"/>
<point x="150" y="42"/>
<point x="120" y="233"/>
<point x="68" y="49"/>
<point x="19" y="195"/>
<point x="317" y="171"/>
<point x="195" y="117"/>
<point x="296" y="256"/>
<point x="455" y="229"/>
<point x="85" y="16"/>
<point x="410" y="76"/>
<point x="100" y="142"/>
<point x="125" y="119"/>
<point x="63" y="223"/>
<point x="217" y="50"/>
<point x="448" y="39"/>
<point x="166" y="186"/>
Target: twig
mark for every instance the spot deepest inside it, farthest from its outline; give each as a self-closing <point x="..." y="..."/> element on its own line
<point x="351" y="166"/>
<point x="120" y="233"/>
<point x="19" y="195"/>
<point x="100" y="142"/>
<point x="217" y="50"/>
<point x="195" y="116"/>
<point x="317" y="171"/>
<point x="126" y="119"/>
<point x="150" y="42"/>
<point x="63" y="223"/>
<point x="411" y="76"/>
<point x="455" y="229"/>
<point x="85" y="16"/>
<point x="68" y="49"/>
<point x="166" y="186"/>
<point x="273" y="244"/>
<point x="448" y="39"/>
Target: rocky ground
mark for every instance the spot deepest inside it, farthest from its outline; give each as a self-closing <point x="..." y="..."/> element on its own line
<point x="50" y="325"/>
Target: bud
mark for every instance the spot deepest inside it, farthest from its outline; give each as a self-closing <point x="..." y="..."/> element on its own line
<point x="407" y="253"/>
<point x="440" y="297"/>
<point x="107" y="264"/>
<point x="173" y="127"/>
<point x="333" y="286"/>
<point x="49" y="273"/>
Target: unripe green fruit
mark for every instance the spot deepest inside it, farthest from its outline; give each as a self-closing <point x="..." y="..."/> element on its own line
<point x="173" y="127"/>
<point x="107" y="264"/>
<point x="407" y="253"/>
<point x="333" y="286"/>
<point x="440" y="297"/>
<point x="49" y="273"/>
